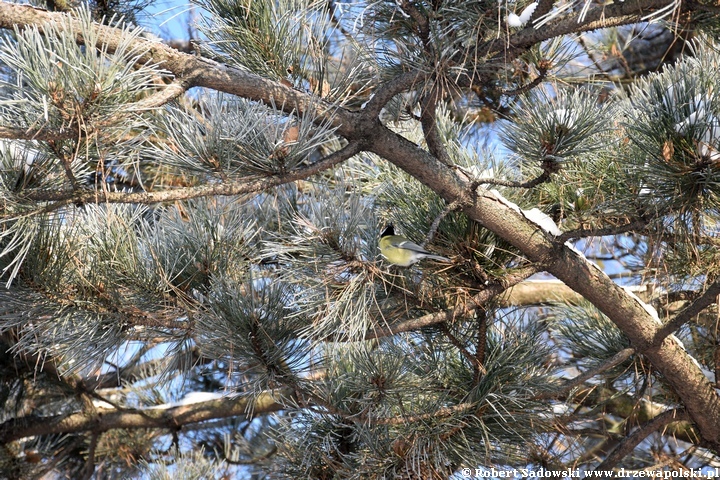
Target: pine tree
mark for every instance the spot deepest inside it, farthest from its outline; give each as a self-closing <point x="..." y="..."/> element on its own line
<point x="192" y="286"/>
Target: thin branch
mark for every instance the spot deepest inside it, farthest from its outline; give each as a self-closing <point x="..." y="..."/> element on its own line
<point x="688" y="313"/>
<point x="542" y="178"/>
<point x="254" y="460"/>
<point x="388" y="90"/>
<point x="605" y="16"/>
<point x="601" y="232"/>
<point x="439" y="413"/>
<point x="39" y="134"/>
<point x="581" y="41"/>
<point x="628" y="444"/>
<point x="461" y="348"/>
<point x="428" y="120"/>
<point x="66" y="197"/>
<point x="422" y="23"/>
<point x="137" y="371"/>
<point x="611" y="362"/>
<point x="542" y="73"/>
<point x="165" y="94"/>
<point x="701" y="7"/>
<point x="436" y="223"/>
<point x="90" y="462"/>
<point x="480" y="346"/>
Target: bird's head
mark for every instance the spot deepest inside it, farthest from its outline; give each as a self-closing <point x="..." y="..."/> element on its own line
<point x="389" y="230"/>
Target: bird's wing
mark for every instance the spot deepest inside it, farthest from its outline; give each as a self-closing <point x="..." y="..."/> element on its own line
<point x="408" y="245"/>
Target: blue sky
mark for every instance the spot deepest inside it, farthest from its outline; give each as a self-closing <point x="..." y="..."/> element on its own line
<point x="169" y="18"/>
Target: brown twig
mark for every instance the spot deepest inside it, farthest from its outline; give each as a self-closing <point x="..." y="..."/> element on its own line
<point x="688" y="313"/>
<point x="611" y="362"/>
<point x="461" y="348"/>
<point x="628" y="444"/>
<point x="601" y="232"/>
<point x="436" y="223"/>
<point x="542" y="178"/>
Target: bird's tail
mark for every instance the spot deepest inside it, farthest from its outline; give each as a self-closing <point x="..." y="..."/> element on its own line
<point x="438" y="258"/>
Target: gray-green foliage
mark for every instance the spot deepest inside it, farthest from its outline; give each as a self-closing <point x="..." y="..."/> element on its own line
<point x="672" y="124"/>
<point x="185" y="466"/>
<point x="236" y="138"/>
<point x="559" y="126"/>
<point x="60" y="84"/>
<point x="422" y="374"/>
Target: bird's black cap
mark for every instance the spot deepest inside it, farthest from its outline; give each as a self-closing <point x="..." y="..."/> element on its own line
<point x="389" y="230"/>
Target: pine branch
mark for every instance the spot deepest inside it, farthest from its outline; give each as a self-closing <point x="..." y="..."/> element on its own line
<point x="89" y="468"/>
<point x="168" y="418"/>
<point x="532" y="183"/>
<point x="39" y="134"/>
<point x="436" y="223"/>
<point x="599" y="17"/>
<point x="390" y="89"/>
<point x="133" y="372"/>
<point x="166" y="94"/>
<point x="575" y="270"/>
<point x="542" y="73"/>
<point x="439" y="413"/>
<point x="422" y="23"/>
<point x="196" y="71"/>
<point x="428" y="120"/>
<point x="477" y="366"/>
<point x="676" y="367"/>
<point x="65" y="197"/>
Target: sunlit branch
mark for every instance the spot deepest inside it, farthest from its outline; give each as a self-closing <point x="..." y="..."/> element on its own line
<point x="170" y="418"/>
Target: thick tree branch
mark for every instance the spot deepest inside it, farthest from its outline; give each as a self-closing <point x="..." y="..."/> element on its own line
<point x="553" y="292"/>
<point x="171" y="418"/>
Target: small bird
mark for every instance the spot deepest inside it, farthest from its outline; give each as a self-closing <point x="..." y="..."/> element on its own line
<point x="400" y="251"/>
